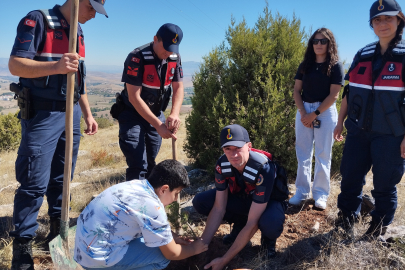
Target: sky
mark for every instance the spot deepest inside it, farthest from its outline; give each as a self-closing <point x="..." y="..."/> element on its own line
<point x="132" y="23"/>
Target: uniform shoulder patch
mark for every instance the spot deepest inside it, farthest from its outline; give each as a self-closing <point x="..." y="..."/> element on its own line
<point x="132" y="71"/>
<point x="260" y="180"/>
<point x="23" y="41"/>
<point x="259" y="193"/>
<point x="29" y="22"/>
<point x="135" y="59"/>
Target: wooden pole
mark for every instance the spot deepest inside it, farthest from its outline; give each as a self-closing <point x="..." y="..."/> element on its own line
<point x="174" y="153"/>
<point x="74" y="15"/>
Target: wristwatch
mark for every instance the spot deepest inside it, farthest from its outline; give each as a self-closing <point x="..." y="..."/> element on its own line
<point x="317" y="112"/>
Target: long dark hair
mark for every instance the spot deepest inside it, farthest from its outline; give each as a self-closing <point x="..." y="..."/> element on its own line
<point x="398" y="34"/>
<point x="331" y="55"/>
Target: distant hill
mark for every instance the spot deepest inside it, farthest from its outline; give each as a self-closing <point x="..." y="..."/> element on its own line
<point x="110" y="72"/>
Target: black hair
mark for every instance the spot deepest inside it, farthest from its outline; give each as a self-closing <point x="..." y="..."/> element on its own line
<point x="169" y="172"/>
<point x="159" y="38"/>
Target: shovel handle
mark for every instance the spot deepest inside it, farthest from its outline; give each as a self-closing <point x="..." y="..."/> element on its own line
<point x="67" y="175"/>
<point x="174" y="149"/>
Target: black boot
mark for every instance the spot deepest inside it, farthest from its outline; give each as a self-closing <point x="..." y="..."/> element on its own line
<point x="347" y="224"/>
<point x="374" y="230"/>
<point x="22" y="254"/>
<point x="236" y="228"/>
<point x="54" y="228"/>
<point x="270" y="246"/>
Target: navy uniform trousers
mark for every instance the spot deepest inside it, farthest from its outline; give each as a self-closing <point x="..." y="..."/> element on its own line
<point x="39" y="167"/>
<point x="139" y="142"/>
<point x="237" y="210"/>
<point x="362" y="150"/>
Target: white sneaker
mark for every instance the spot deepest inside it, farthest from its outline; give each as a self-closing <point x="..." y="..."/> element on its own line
<point x="298" y="198"/>
<point x="321" y="203"/>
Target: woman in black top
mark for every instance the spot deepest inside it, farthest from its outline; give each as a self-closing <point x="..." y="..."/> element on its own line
<point x="317" y="85"/>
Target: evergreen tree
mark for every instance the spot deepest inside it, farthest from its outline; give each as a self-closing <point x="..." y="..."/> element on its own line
<point x="250" y="82"/>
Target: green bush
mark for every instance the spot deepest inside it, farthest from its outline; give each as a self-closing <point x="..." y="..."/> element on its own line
<point x="250" y="82"/>
<point x="103" y="122"/>
<point x="10" y="131"/>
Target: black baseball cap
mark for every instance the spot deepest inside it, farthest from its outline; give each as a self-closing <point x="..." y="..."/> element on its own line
<point x="234" y="135"/>
<point x="171" y="36"/>
<point x="98" y="5"/>
<point x="384" y="7"/>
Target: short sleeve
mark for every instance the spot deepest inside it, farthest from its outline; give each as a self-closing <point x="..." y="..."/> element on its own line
<point x="264" y="184"/>
<point x="154" y="225"/>
<point x="31" y="33"/>
<point x="133" y="69"/>
<point x="178" y="73"/>
<point x="353" y="65"/>
<point x="299" y="74"/>
<point x="221" y="183"/>
<point x="338" y="74"/>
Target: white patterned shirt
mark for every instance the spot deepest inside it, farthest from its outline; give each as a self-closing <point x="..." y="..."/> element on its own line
<point x="118" y="215"/>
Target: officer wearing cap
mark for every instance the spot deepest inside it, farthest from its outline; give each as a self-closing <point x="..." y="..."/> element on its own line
<point x="250" y="193"/>
<point x="41" y="58"/>
<point x="375" y="122"/>
<point x="150" y="73"/>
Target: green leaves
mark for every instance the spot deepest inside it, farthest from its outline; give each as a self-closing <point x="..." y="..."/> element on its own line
<point x="10" y="131"/>
<point x="249" y="81"/>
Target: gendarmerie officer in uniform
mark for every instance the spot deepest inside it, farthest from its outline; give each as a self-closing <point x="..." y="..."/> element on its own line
<point x="251" y="190"/>
<point x="150" y="73"/>
<point x="375" y="122"/>
<point x="41" y="58"/>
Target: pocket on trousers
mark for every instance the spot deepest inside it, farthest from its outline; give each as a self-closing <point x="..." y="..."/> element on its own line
<point x="27" y="168"/>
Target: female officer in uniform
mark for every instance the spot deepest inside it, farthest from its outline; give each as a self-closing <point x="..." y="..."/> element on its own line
<point x="375" y="122"/>
<point x="317" y="85"/>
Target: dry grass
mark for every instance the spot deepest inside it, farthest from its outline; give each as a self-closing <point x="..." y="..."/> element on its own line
<point x="92" y="177"/>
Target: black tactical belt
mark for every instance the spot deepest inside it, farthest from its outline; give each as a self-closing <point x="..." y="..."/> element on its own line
<point x="50" y="105"/>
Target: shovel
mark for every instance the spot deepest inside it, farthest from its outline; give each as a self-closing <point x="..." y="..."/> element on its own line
<point x="60" y="247"/>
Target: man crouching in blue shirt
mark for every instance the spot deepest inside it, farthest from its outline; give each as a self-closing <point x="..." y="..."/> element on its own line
<point x="126" y="226"/>
<point x="250" y="193"/>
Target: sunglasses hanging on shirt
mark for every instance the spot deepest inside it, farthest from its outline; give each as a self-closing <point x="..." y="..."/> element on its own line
<point x="323" y="41"/>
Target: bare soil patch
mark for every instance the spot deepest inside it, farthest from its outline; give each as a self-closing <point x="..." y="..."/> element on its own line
<point x="297" y="227"/>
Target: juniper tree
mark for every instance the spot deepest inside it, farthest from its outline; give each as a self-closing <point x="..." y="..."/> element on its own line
<point x="248" y="80"/>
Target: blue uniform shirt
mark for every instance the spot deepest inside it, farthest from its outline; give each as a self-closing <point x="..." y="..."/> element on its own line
<point x="134" y="60"/>
<point x="31" y="34"/>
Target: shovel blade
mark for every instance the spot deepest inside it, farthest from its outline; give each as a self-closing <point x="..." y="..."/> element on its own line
<point x="62" y="254"/>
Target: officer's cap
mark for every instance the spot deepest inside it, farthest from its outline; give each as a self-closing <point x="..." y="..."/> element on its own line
<point x="384" y="7"/>
<point x="171" y="36"/>
<point x="234" y="135"/>
<point x="98" y="5"/>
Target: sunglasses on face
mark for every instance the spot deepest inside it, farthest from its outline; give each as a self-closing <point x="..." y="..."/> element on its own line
<point x="323" y="41"/>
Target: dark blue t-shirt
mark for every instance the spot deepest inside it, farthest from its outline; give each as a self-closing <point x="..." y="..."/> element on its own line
<point x="316" y="84"/>
<point x="263" y="188"/>
<point x="31" y="34"/>
<point x="133" y="67"/>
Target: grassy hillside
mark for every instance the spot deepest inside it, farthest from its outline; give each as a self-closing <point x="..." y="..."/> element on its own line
<point x="101" y="164"/>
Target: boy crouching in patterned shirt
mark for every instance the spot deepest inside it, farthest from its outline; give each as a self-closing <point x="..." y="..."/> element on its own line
<point x="126" y="226"/>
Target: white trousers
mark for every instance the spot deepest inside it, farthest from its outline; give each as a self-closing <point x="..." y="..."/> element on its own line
<point x="304" y="145"/>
